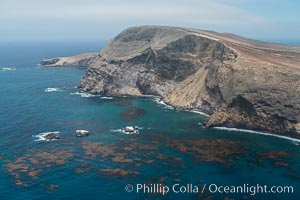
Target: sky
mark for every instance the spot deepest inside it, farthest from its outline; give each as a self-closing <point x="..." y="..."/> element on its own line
<point x="87" y="20"/>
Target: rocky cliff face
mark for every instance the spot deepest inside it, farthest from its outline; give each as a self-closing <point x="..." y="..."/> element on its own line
<point x="240" y="82"/>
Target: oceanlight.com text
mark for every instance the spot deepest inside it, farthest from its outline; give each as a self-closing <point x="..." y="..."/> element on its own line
<point x="211" y="188"/>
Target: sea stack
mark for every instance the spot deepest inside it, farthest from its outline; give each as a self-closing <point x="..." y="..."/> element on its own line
<point x="239" y="82"/>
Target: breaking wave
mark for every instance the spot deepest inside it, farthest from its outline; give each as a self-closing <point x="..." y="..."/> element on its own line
<point x="294" y="141"/>
<point x="52" y="90"/>
<point x="106" y="97"/>
<point x="162" y="103"/>
<point x="84" y="94"/>
<point x="199" y="112"/>
<point x="41" y="136"/>
<point x="8" y="69"/>
<point x="122" y="130"/>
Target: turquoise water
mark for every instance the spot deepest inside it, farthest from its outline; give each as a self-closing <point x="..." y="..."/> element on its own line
<point x="171" y="148"/>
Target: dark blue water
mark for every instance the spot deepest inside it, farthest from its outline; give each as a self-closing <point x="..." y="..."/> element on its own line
<point x="172" y="148"/>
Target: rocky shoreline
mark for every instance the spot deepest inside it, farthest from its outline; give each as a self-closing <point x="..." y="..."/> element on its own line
<point x="238" y="82"/>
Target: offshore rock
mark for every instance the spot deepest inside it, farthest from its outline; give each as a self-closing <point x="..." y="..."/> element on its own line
<point x="51" y="136"/>
<point x="81" y="133"/>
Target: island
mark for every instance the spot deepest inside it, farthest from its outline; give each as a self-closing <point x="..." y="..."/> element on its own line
<point x="238" y="82"/>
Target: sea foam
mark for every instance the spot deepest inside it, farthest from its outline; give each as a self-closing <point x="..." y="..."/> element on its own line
<point x="122" y="130"/>
<point x="41" y="136"/>
<point x="294" y="141"/>
<point x="106" y="97"/>
<point x="8" y="69"/>
<point x="84" y="94"/>
<point x="199" y="112"/>
<point x="162" y="103"/>
<point x="52" y="90"/>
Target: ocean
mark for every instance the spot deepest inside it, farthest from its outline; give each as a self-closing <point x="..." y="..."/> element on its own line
<point x="171" y="152"/>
